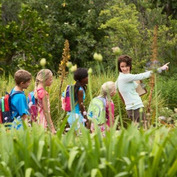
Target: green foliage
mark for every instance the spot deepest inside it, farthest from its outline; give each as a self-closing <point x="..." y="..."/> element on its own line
<point x="32" y="29"/>
<point x="169" y="7"/>
<point x="24" y="41"/>
<point x="169" y="90"/>
<point x="72" y="20"/>
<point x="128" y="152"/>
<point x="130" y="26"/>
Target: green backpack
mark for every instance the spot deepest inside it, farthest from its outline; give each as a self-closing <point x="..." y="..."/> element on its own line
<point x="97" y="110"/>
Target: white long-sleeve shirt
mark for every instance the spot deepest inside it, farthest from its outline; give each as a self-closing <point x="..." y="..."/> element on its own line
<point x="127" y="88"/>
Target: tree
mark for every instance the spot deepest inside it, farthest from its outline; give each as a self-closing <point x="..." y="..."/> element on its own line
<point x="24" y="41"/>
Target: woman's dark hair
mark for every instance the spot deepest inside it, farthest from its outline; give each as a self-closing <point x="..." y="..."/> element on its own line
<point x="124" y="58"/>
<point x="79" y="74"/>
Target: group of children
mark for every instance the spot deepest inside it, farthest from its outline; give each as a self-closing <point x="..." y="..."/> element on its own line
<point x="18" y="103"/>
<point x="20" y="109"/>
<point x="125" y="84"/>
<point x="85" y="116"/>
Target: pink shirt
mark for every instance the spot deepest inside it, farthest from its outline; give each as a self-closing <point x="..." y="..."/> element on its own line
<point x="41" y="92"/>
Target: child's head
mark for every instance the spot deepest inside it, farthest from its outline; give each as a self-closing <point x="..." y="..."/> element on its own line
<point x="108" y="89"/>
<point x="44" y="76"/>
<point x="81" y="76"/>
<point x="124" y="59"/>
<point x="22" y="78"/>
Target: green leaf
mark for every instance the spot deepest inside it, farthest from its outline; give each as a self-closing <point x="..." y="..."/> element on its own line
<point x="72" y="156"/>
<point x="40" y="149"/>
<point x="125" y="173"/>
<point x="96" y="173"/>
<point x="172" y="171"/>
<point x="28" y="172"/>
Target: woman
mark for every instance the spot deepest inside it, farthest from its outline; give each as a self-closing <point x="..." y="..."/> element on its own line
<point x="127" y="86"/>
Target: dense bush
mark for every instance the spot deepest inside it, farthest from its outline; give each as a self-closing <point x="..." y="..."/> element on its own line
<point x="168" y="89"/>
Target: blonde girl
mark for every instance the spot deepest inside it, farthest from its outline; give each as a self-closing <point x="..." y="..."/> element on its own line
<point x="108" y="90"/>
<point x="44" y="79"/>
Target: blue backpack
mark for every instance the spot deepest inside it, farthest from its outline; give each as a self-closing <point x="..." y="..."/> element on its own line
<point x="32" y="104"/>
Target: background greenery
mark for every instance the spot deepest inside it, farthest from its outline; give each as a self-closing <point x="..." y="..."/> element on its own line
<point x="35" y="29"/>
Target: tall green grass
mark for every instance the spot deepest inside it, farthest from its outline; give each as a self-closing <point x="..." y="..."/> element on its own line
<point x="128" y="152"/>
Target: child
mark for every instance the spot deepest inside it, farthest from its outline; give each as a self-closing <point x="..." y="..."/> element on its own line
<point x="108" y="90"/>
<point x="81" y="78"/>
<point x="18" y="101"/>
<point x="44" y="79"/>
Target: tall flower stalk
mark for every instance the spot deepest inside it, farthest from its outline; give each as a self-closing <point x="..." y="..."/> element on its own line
<point x="89" y="82"/>
<point x="153" y="77"/>
<point x="116" y="51"/>
<point x="62" y="66"/>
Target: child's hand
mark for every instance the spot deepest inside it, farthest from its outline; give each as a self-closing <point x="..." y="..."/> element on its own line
<point x="165" y="66"/>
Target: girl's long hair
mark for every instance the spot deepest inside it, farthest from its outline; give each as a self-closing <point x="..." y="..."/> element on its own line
<point x="79" y="74"/>
<point x="42" y="76"/>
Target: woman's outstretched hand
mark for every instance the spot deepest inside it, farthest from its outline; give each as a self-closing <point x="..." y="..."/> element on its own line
<point x="165" y="66"/>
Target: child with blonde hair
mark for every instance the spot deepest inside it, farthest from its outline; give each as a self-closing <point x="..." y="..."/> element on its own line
<point x="101" y="108"/>
<point x="44" y="79"/>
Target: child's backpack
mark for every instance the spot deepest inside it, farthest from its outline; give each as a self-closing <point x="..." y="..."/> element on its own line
<point x="66" y="98"/>
<point x="5" y="108"/>
<point x="97" y="110"/>
<point x="32" y="104"/>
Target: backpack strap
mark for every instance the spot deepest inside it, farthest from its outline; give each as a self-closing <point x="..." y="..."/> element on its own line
<point x="103" y="100"/>
<point x="2" y="104"/>
<point x="16" y="92"/>
<point x="40" y="89"/>
<point x="29" y="96"/>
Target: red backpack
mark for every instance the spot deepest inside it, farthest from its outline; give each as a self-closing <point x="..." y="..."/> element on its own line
<point x="5" y="108"/>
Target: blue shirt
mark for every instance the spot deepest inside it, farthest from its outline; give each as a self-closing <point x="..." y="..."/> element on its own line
<point x="76" y="114"/>
<point x="19" y="105"/>
<point x="77" y="109"/>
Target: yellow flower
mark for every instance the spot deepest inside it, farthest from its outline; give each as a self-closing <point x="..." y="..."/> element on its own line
<point x="175" y="109"/>
<point x="73" y="68"/>
<point x="116" y="50"/>
<point x="69" y="64"/>
<point x="97" y="57"/>
<point x="90" y="71"/>
<point x="141" y="110"/>
<point x="43" y="62"/>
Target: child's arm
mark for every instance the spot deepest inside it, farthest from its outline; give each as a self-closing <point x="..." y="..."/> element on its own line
<point x="81" y="104"/>
<point x="47" y="113"/>
<point x="24" y="116"/>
